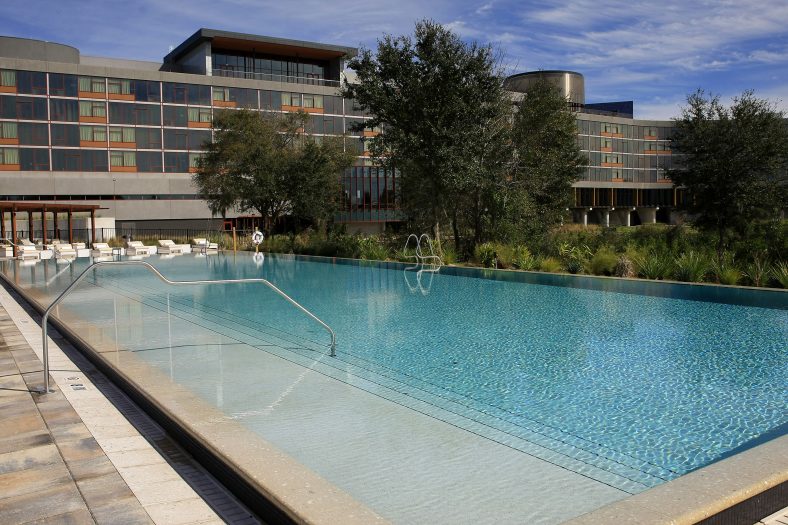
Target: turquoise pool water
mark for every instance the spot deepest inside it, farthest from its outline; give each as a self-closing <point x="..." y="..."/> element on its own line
<point x="625" y="383"/>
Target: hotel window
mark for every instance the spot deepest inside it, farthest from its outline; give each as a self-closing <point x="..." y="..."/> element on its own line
<point x="611" y="128"/>
<point x="122" y="158"/>
<point x="221" y="94"/>
<point x="91" y="85"/>
<point x="650" y="132"/>
<point x="199" y="115"/>
<point x="617" y="173"/>
<point x="65" y="110"/>
<point x="313" y="101"/>
<point x="7" y="78"/>
<point x="9" y="156"/>
<point x="116" y="86"/>
<point x="31" y="82"/>
<point x="291" y="99"/>
<point x="93" y="133"/>
<point x="122" y="135"/>
<point x="612" y="159"/>
<point x="9" y="130"/>
<point x="607" y="143"/>
<point x="194" y="159"/>
<point x="92" y="109"/>
<point x="62" y="85"/>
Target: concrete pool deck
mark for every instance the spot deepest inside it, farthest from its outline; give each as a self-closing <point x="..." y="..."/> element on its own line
<point x="71" y="456"/>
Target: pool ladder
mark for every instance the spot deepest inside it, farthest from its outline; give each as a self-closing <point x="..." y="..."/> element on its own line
<point x="420" y="258"/>
<point x="148" y="266"/>
<point x="419" y="254"/>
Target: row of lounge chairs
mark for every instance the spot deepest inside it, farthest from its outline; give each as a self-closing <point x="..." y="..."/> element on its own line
<point x="27" y="250"/>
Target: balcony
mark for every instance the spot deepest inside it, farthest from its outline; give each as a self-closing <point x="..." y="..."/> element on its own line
<point x="218" y="72"/>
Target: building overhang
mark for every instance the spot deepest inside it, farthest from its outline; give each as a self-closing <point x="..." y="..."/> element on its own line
<point x="243" y="42"/>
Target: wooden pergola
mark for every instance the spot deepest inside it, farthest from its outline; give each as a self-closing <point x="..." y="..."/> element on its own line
<point x="44" y="208"/>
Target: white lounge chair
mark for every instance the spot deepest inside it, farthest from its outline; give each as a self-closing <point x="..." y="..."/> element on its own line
<point x="64" y="251"/>
<point x="78" y="245"/>
<point x="137" y="248"/>
<point x="200" y="245"/>
<point x="24" y="251"/>
<point x="101" y="249"/>
<point x="168" y="247"/>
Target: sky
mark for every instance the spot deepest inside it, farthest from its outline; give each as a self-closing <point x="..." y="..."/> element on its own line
<point x="654" y="52"/>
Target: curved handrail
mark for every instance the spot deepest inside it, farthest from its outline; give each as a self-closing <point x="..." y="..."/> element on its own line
<point x="420" y="256"/>
<point x="45" y="317"/>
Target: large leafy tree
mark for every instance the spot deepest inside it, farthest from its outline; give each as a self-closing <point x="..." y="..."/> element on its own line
<point x="731" y="162"/>
<point x="267" y="164"/>
<point x="547" y="160"/>
<point x="440" y="103"/>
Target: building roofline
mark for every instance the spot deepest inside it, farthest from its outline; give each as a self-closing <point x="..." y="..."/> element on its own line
<point x="203" y="34"/>
<point x="539" y="71"/>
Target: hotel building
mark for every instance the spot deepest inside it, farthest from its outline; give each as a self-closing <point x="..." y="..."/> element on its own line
<point x="126" y="134"/>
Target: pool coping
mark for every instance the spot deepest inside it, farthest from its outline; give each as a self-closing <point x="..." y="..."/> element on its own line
<point x="271" y="483"/>
<point x="692" y="498"/>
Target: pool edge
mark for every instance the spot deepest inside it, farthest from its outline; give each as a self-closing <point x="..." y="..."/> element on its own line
<point x="732" y="490"/>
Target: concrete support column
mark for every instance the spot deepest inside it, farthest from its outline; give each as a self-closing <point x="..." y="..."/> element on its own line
<point x="605" y="218"/>
<point x="584" y="216"/>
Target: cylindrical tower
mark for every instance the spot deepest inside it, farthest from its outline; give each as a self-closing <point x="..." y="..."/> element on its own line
<point x="569" y="83"/>
<point x="30" y="49"/>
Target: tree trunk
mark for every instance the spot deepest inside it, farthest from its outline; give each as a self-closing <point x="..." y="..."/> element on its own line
<point x="456" y="229"/>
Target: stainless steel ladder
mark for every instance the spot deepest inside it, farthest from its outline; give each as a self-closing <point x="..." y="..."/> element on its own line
<point x="148" y="266"/>
<point x="419" y="254"/>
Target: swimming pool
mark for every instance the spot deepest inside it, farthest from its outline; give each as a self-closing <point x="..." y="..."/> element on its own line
<point x="446" y="388"/>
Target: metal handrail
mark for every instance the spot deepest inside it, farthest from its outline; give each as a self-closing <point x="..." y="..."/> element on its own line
<point x="45" y="317"/>
<point x="420" y="257"/>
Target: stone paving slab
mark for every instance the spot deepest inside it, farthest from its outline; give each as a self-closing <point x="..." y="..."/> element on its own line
<point x="71" y="457"/>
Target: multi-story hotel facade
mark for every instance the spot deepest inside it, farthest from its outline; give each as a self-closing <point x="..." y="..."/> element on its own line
<point x="126" y="134"/>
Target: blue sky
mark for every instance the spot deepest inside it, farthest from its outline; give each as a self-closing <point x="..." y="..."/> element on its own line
<point x="651" y="52"/>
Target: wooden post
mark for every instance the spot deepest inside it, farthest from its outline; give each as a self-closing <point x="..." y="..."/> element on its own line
<point x="234" y="244"/>
<point x="70" y="228"/>
<point x="13" y="230"/>
<point x="44" y="223"/>
<point x="30" y="225"/>
<point x="92" y="227"/>
<point x="2" y="224"/>
<point x="56" y="228"/>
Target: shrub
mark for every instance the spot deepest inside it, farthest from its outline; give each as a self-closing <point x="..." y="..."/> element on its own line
<point x="729" y="276"/>
<point x="550" y="264"/>
<point x="757" y="272"/>
<point x="725" y="272"/>
<point x="780" y="274"/>
<point x="653" y="265"/>
<point x="604" y="262"/>
<point x="485" y="254"/>
<point x="371" y="248"/>
<point x="625" y="267"/>
<point x="449" y="255"/>
<point x="574" y="257"/>
<point x="691" y="267"/>
<point x="523" y="259"/>
<point x="504" y="255"/>
<point x="276" y="244"/>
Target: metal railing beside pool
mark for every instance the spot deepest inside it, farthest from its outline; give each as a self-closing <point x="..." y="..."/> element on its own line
<point x="148" y="266"/>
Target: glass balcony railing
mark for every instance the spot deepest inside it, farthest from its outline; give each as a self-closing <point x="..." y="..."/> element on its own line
<point x="219" y="72"/>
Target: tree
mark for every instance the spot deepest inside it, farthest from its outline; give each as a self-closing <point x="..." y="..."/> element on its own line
<point x="731" y="162"/>
<point x="547" y="160"/>
<point x="265" y="163"/>
<point x="438" y="102"/>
